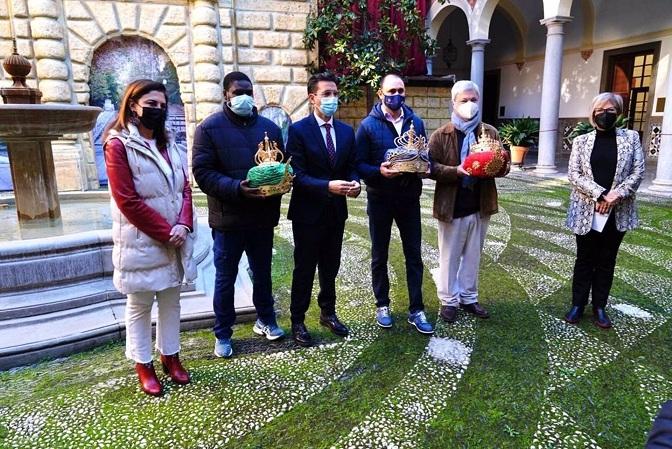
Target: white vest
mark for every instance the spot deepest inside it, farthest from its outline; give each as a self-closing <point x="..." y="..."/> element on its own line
<point x="141" y="263"/>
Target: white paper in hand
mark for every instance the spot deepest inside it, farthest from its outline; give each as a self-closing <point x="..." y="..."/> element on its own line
<point x="599" y="220"/>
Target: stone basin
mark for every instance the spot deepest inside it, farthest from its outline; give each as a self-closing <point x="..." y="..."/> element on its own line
<point x="21" y="121"/>
<point x="28" y="130"/>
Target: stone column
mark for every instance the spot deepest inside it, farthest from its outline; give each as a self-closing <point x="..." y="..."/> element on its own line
<point x="55" y="82"/>
<point x="663" y="181"/>
<point x="50" y="51"/>
<point x="550" y="94"/>
<point x="478" y="62"/>
<point x="207" y="71"/>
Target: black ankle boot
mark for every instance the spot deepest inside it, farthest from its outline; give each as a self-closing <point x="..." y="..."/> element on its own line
<point x="601" y="318"/>
<point x="574" y="315"/>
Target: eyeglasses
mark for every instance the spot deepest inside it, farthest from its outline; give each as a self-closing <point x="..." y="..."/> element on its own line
<point x="601" y="110"/>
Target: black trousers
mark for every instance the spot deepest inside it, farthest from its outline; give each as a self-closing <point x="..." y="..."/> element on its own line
<point x="595" y="262"/>
<point x="406" y="213"/>
<point x="316" y="246"/>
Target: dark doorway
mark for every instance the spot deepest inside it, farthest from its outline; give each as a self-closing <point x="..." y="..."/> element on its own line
<point x="629" y="73"/>
<point x="491" y="81"/>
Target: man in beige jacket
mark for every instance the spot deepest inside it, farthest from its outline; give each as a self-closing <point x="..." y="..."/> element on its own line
<point x="462" y="204"/>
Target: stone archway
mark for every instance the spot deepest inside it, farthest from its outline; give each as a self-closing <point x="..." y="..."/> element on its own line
<point x="117" y="62"/>
<point x="165" y="25"/>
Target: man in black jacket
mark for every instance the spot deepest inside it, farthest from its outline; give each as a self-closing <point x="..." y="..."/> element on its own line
<point x="323" y="157"/>
<point x="241" y="219"/>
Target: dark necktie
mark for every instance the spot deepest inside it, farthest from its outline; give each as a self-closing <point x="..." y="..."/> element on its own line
<point x="331" y="149"/>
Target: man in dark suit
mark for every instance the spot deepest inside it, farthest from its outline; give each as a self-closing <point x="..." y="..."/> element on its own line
<point x="323" y="157"/>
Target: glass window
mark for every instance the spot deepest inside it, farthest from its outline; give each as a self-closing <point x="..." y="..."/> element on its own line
<point x="278" y="116"/>
<point x="639" y="60"/>
<point x="637" y="71"/>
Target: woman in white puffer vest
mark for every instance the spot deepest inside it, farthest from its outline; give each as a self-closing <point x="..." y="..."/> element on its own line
<point x="153" y="224"/>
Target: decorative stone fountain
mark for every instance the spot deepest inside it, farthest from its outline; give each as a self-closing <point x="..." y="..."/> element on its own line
<point x="28" y="128"/>
<point x="56" y="292"/>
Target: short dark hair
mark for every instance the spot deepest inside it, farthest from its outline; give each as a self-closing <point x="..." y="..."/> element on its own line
<point x="317" y="77"/>
<point x="234" y="76"/>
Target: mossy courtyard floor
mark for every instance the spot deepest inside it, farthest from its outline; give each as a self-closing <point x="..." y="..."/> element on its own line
<point x="522" y="379"/>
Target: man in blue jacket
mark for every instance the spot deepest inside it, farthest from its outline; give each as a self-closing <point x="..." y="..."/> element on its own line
<point x="324" y="161"/>
<point x="241" y="219"/>
<point x="392" y="196"/>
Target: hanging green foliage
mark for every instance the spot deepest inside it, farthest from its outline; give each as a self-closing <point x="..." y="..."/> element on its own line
<point x="361" y="45"/>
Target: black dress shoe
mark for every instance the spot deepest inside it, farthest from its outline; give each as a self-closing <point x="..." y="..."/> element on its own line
<point x="300" y="335"/>
<point x="448" y="314"/>
<point x="601" y="318"/>
<point x="574" y="315"/>
<point x="333" y="323"/>
<point x="475" y="309"/>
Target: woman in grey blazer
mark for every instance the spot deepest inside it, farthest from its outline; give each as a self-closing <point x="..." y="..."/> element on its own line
<point x="605" y="169"/>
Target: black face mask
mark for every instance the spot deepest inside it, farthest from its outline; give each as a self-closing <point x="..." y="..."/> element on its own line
<point x="153" y="118"/>
<point x="606" y="120"/>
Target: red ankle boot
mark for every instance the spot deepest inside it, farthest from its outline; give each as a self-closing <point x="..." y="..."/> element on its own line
<point x="173" y="367"/>
<point x="149" y="383"/>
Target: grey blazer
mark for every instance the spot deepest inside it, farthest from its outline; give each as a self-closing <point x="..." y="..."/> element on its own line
<point x="585" y="191"/>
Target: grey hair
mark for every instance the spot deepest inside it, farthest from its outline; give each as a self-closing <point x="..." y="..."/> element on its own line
<point x="615" y="99"/>
<point x="463" y="86"/>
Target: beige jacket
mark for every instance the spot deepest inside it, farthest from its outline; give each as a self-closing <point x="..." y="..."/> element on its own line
<point x="140" y="262"/>
<point x="445" y="157"/>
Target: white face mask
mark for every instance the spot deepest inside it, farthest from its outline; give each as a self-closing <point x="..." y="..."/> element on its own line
<point x="467" y="110"/>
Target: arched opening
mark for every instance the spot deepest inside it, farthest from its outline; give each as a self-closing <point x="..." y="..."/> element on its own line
<point x="453" y="56"/>
<point x="119" y="61"/>
<point x="507" y="46"/>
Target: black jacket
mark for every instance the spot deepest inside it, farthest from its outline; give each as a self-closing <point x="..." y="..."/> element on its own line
<point x="223" y="152"/>
<point x="661" y="433"/>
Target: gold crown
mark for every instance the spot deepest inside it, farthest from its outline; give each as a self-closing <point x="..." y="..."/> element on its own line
<point x="268" y="152"/>
<point x="485" y="143"/>
<point x="412" y="141"/>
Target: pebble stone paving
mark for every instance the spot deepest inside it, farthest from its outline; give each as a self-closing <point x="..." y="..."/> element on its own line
<point x="254" y="389"/>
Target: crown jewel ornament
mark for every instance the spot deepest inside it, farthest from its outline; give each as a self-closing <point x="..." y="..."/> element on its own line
<point x="487" y="158"/>
<point x="271" y="176"/>
<point x="411" y="154"/>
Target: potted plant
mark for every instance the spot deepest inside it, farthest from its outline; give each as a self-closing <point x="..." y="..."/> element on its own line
<point x="519" y="134"/>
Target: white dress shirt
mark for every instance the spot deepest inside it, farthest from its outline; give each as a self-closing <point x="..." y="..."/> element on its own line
<point x="397" y="122"/>
<point x="323" y="129"/>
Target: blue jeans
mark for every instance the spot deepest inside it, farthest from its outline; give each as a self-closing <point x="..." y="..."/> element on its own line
<point x="383" y="210"/>
<point x="228" y="249"/>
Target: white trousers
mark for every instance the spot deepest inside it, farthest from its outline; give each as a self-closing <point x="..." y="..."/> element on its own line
<point x="139" y="324"/>
<point x="460" y="246"/>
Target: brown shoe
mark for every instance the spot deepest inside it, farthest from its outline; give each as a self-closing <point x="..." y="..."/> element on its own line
<point x="448" y="314"/>
<point x="475" y="309"/>
<point x="149" y="383"/>
<point x="173" y="367"/>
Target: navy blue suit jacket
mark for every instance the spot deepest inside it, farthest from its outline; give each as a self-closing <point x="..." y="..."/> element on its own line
<point x="310" y="161"/>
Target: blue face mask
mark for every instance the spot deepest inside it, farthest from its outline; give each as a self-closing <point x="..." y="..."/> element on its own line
<point x="329" y="106"/>
<point x="394" y="102"/>
<point x="242" y="105"/>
